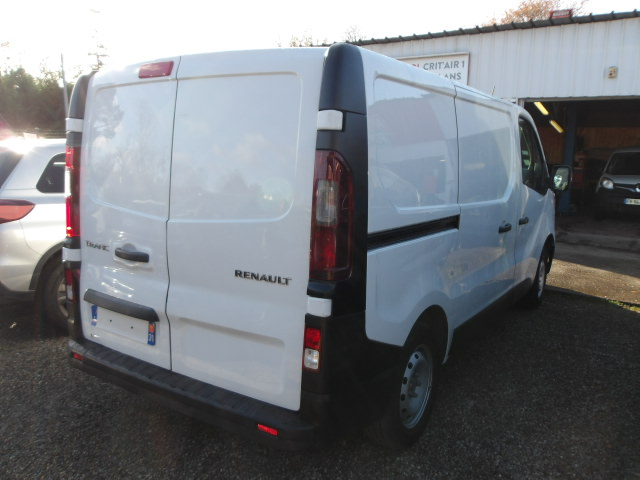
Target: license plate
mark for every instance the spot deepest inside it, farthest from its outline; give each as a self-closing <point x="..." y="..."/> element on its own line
<point x="140" y="331"/>
<point x="632" y="201"/>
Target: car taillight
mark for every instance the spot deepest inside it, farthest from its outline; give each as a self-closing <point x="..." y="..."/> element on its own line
<point x="312" y="344"/>
<point x="72" y="187"/>
<point x="332" y="218"/>
<point x="12" y="210"/>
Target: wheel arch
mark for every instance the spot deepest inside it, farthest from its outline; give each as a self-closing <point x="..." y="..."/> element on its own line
<point x="48" y="256"/>
<point x="433" y="324"/>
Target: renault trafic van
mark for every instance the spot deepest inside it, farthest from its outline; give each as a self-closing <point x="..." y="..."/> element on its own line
<point x="283" y="242"/>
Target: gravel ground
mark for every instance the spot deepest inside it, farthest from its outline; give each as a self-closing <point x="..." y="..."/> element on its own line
<point x="552" y="393"/>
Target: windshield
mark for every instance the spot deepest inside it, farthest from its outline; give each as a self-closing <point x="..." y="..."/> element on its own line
<point x="625" y="163"/>
<point x="8" y="161"/>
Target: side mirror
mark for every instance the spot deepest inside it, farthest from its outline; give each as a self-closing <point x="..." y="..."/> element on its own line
<point x="561" y="178"/>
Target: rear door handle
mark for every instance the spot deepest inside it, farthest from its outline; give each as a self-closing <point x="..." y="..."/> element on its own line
<point x="132" y="255"/>
<point x="505" y="228"/>
<point x="523" y="221"/>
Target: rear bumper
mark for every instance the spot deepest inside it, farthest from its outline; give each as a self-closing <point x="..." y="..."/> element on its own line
<point x="219" y="407"/>
<point x="26" y="295"/>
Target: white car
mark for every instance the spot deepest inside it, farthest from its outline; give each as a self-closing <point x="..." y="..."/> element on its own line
<point x="618" y="190"/>
<point x="32" y="224"/>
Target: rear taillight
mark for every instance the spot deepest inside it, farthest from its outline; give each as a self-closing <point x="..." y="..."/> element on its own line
<point x="332" y="218"/>
<point x="12" y="210"/>
<point x="72" y="187"/>
<point x="312" y="344"/>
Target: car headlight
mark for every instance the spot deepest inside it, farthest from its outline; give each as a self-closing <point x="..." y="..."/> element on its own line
<point x="606" y="183"/>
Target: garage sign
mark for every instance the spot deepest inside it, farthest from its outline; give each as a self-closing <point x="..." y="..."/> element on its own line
<point x="454" y="66"/>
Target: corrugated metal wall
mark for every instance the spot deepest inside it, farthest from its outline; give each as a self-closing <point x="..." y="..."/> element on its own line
<point x="562" y="61"/>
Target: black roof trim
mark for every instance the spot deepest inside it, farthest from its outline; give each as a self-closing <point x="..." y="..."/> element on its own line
<point x="555" y="22"/>
<point x="343" y="81"/>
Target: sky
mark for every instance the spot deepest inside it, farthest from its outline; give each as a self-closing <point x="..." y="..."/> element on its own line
<point x="36" y="33"/>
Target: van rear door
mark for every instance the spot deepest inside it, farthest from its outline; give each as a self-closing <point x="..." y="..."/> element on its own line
<point x="126" y="158"/>
<point x="238" y="230"/>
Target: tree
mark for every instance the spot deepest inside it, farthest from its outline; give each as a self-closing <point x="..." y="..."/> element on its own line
<point x="353" y="34"/>
<point x="49" y="112"/>
<point x="31" y="104"/>
<point x="305" y="40"/>
<point x="537" y="10"/>
<point x="4" y="53"/>
<point x="100" y="53"/>
<point x="17" y="90"/>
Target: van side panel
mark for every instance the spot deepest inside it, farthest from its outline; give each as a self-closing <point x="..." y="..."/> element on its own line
<point x="238" y="233"/>
<point x="489" y="196"/>
<point x="413" y="191"/>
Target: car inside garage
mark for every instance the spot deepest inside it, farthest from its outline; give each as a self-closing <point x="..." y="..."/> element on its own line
<point x="587" y="131"/>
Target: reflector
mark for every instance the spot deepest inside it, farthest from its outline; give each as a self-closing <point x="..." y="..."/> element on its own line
<point x="312" y="338"/>
<point x="269" y="430"/>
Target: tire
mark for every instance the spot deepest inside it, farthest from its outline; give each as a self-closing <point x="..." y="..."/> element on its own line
<point x="534" y="296"/>
<point x="410" y="397"/>
<point x="52" y="296"/>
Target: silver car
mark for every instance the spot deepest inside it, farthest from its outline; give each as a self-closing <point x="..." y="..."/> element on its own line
<point x="32" y="224"/>
<point x="618" y="190"/>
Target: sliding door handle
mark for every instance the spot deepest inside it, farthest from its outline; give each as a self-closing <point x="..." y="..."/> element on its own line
<point x="505" y="228"/>
<point x="523" y="221"/>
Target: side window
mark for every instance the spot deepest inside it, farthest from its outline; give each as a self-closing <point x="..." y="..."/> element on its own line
<point x="534" y="171"/>
<point x="8" y="161"/>
<point x="52" y="179"/>
<point x="486" y="151"/>
<point x="413" y="138"/>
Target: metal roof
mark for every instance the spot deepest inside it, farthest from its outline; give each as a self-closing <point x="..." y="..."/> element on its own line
<point x="531" y="24"/>
<point x="594" y="56"/>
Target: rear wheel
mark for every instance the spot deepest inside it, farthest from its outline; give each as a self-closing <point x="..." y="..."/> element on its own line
<point x="410" y="398"/>
<point x="52" y="295"/>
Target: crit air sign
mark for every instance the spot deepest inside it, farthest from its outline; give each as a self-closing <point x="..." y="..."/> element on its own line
<point x="454" y="66"/>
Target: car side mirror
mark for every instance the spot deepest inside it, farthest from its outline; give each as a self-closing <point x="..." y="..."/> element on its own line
<point x="561" y="178"/>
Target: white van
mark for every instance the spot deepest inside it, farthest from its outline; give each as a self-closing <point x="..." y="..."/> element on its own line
<point x="283" y="242"/>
